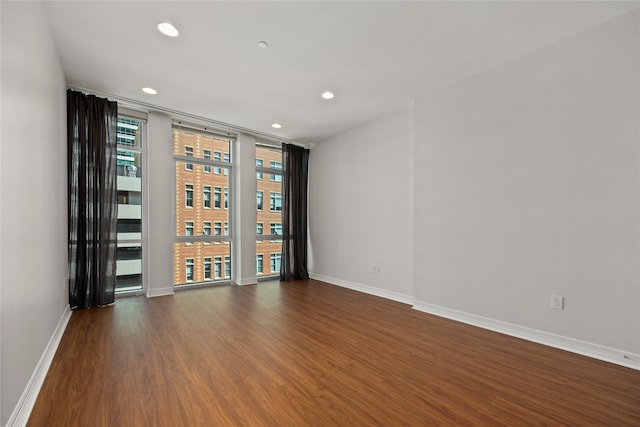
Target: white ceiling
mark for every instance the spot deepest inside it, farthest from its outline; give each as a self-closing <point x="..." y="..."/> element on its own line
<point x="375" y="56"/>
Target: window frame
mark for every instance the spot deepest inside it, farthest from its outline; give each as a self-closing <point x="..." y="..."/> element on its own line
<point x="206" y="196"/>
<point x="273" y="228"/>
<point x="217" y="267"/>
<point x="188" y="151"/>
<point x="217" y="157"/>
<point x="206" y="263"/>
<point x="206" y="154"/>
<point x="275" y="166"/>
<point x="217" y="197"/>
<point x="275" y="257"/>
<point x="227" y="267"/>
<point x="266" y="244"/>
<point x="188" y="191"/>
<point x="273" y="201"/>
<point x="130" y="117"/>
<point x="259" y="264"/>
<point x="260" y="197"/>
<point x="189" y="225"/>
<point x="200" y="235"/>
<point x="259" y="175"/>
<point x="187" y="265"/>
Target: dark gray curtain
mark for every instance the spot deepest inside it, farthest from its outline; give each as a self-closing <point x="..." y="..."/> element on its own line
<point x="92" y="199"/>
<point x="295" y="172"/>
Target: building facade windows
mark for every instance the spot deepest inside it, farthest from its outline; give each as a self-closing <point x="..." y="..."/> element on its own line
<point x="207" y="268"/>
<point x="200" y="194"/>
<point x="217" y="194"/>
<point x="268" y="163"/>
<point x="207" y="155"/>
<point x="275" y="262"/>
<point x="276" y="228"/>
<point x="188" y="151"/>
<point x="206" y="197"/>
<point x="127" y="132"/>
<point x="188" y="231"/>
<point x="275" y="203"/>
<point x="217" y="157"/>
<point x="227" y="159"/>
<point x="259" y="200"/>
<point x="259" y="266"/>
<point x="227" y="267"/>
<point x="206" y="231"/>
<point x="218" y="267"/>
<point x="258" y="165"/>
<point x="188" y="195"/>
<point x="273" y="176"/>
<point x="189" y="269"/>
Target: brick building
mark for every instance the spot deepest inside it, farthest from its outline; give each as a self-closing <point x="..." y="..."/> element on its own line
<point x="203" y="204"/>
<point x="269" y="208"/>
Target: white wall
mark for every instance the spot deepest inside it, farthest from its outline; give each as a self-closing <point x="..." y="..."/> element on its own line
<point x="531" y="188"/>
<point x="33" y="223"/>
<point x="523" y="182"/>
<point x="361" y="207"/>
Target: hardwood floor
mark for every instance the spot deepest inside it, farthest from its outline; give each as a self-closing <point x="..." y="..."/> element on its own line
<point x="312" y="354"/>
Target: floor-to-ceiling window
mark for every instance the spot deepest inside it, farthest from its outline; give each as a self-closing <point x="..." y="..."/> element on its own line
<point x="202" y="242"/>
<point x="269" y="210"/>
<point x="129" y="260"/>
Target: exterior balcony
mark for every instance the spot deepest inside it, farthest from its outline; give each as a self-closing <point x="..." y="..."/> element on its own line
<point x="128" y="267"/>
<point x="129" y="211"/>
<point x="129" y="183"/>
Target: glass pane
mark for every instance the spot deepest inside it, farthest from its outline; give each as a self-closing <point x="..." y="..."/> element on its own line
<point x="269" y="211"/>
<point x="201" y="198"/>
<point x="269" y="251"/>
<point x="129" y="266"/>
<point x="202" y="208"/>
<point x="129" y="197"/>
<point x="129" y="133"/>
<point x="199" y="263"/>
<point x="129" y="164"/>
<point x="128" y="282"/>
<point x="201" y="145"/>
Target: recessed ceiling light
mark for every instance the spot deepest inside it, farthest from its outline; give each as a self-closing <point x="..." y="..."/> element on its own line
<point x="263" y="44"/>
<point x="149" y="90"/>
<point x="167" y="29"/>
<point x="328" y="95"/>
<point x="276" y="125"/>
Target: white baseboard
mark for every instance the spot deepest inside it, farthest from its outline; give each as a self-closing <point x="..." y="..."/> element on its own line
<point x="22" y="411"/>
<point x="395" y="296"/>
<point x="161" y="292"/>
<point x="596" y="351"/>
<point x="246" y="281"/>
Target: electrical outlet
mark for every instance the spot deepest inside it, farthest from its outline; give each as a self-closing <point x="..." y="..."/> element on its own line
<point x="557" y="302"/>
<point x="372" y="269"/>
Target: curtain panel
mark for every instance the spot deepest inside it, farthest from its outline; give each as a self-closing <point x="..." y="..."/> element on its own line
<point x="295" y="172"/>
<point x="92" y="199"/>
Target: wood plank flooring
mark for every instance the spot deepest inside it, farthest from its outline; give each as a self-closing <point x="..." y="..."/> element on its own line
<point x="313" y="354"/>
